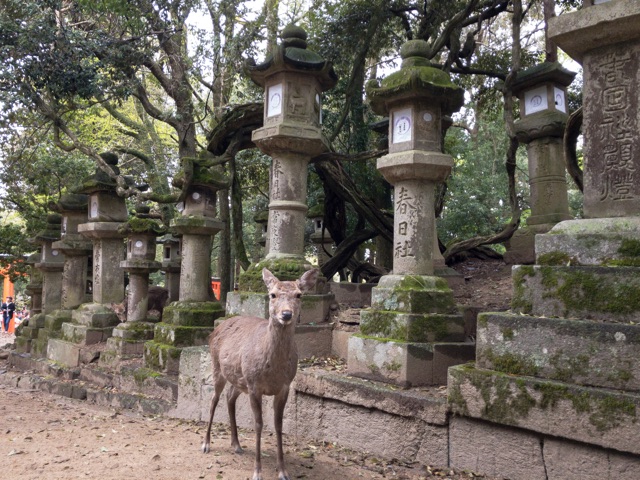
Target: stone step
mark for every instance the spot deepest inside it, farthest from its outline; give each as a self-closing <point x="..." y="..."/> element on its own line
<point x="405" y="363"/>
<point x="131" y="386"/>
<point x="413" y="327"/>
<point x="597" y="416"/>
<point x="607" y="294"/>
<point x="582" y="352"/>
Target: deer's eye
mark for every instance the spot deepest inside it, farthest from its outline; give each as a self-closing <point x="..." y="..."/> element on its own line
<point x="298" y="295"/>
<point x="273" y="295"/>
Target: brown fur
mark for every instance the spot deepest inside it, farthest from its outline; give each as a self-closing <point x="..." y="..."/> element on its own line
<point x="259" y="357"/>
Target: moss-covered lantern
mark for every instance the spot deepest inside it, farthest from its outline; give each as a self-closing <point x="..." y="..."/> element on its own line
<point x="416" y="98"/>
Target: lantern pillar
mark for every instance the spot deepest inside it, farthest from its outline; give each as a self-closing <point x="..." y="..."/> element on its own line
<point x="413" y="313"/>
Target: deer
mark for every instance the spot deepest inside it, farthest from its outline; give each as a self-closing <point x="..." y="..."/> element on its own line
<point x="258" y="356"/>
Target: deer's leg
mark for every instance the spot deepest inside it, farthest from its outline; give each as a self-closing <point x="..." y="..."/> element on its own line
<point x="219" y="384"/>
<point x="256" y="407"/>
<point x="232" y="396"/>
<point x="279" y="402"/>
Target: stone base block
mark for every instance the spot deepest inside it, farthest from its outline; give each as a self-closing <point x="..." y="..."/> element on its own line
<point x="607" y="418"/>
<point x="23" y="345"/>
<point x="37" y="321"/>
<point x="340" y="343"/>
<point x="247" y="304"/>
<point x="593" y="293"/>
<point x="126" y="343"/>
<point x="63" y="352"/>
<point x="521" y="248"/>
<point x="192" y="314"/>
<point x="181" y="336"/>
<point x="403" y="363"/>
<point x="162" y="357"/>
<point x="453" y="278"/>
<point x="84" y="335"/>
<point x="595" y="241"/>
<point x="94" y="315"/>
<point x="29" y="332"/>
<point x="315" y="308"/>
<point x="416" y="294"/>
<point x="313" y="340"/>
<point x="410" y="327"/>
<point x="356" y="295"/>
<point x="581" y="352"/>
<point x="507" y="452"/>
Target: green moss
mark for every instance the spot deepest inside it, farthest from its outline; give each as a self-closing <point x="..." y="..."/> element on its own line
<point x="394" y="366"/>
<point x="507" y="333"/>
<point x="555" y="258"/>
<point x="409" y="328"/>
<point x="141" y="225"/>
<point x="519" y="300"/>
<point x="584" y="291"/>
<point x="142" y="374"/>
<point x="511" y="363"/>
<point x="283" y="269"/>
<point x="629" y="248"/>
<point x="567" y="368"/>
<point x="456" y="400"/>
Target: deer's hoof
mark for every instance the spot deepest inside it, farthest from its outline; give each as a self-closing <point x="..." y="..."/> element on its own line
<point x="205" y="447"/>
<point x="238" y="449"/>
<point x="283" y="476"/>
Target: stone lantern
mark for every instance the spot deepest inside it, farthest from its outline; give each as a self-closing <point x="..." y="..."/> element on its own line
<point x="29" y="330"/>
<point x="171" y="257"/>
<point x="130" y="336"/>
<point x="293" y="79"/>
<point x="543" y="117"/>
<point x="189" y="321"/>
<point x="320" y="236"/>
<point x="94" y="322"/>
<point x="76" y="249"/>
<point x="589" y="3"/>
<point x="413" y="332"/>
<point x="51" y="263"/>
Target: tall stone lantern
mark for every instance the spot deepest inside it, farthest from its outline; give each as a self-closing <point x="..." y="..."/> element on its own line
<point x="129" y="337"/>
<point x="293" y="79"/>
<point x="93" y="322"/>
<point x="543" y="117"/>
<point x="413" y="332"/>
<point x="190" y="320"/>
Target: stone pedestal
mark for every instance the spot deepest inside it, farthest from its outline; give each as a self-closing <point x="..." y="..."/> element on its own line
<point x="413" y="331"/>
<point x="190" y="320"/>
<point x="565" y="363"/>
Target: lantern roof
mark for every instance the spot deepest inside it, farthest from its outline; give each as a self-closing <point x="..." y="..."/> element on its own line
<point x="142" y="223"/>
<point x="292" y="55"/>
<point x="70" y="202"/>
<point x="416" y="78"/>
<point x="52" y="228"/>
<point x="541" y="73"/>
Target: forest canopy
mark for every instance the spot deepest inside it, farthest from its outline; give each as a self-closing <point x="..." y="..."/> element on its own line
<point x="162" y="84"/>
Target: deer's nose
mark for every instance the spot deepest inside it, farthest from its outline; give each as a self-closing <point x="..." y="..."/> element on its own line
<point x="287" y="314"/>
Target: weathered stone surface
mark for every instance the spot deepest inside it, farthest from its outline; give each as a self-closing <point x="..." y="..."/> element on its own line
<point x="571" y="461"/>
<point x="403" y="363"/>
<point x="313" y="340"/>
<point x="581" y="352"/>
<point x="247" y="304"/>
<point x="408" y="327"/>
<point x="495" y="450"/>
<point x="597" y="416"/>
<point x="595" y="241"/>
<point x="356" y="295"/>
<point x="340" y="343"/>
<point x="63" y="352"/>
<point x="593" y="293"/>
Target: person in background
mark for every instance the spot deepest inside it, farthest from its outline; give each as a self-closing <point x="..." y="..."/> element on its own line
<point x="8" y="308"/>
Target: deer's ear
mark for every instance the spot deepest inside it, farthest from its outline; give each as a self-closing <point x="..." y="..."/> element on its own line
<point x="269" y="278"/>
<point x="308" y="280"/>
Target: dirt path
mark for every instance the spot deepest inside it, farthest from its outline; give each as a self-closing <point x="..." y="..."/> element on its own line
<point x="46" y="437"/>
